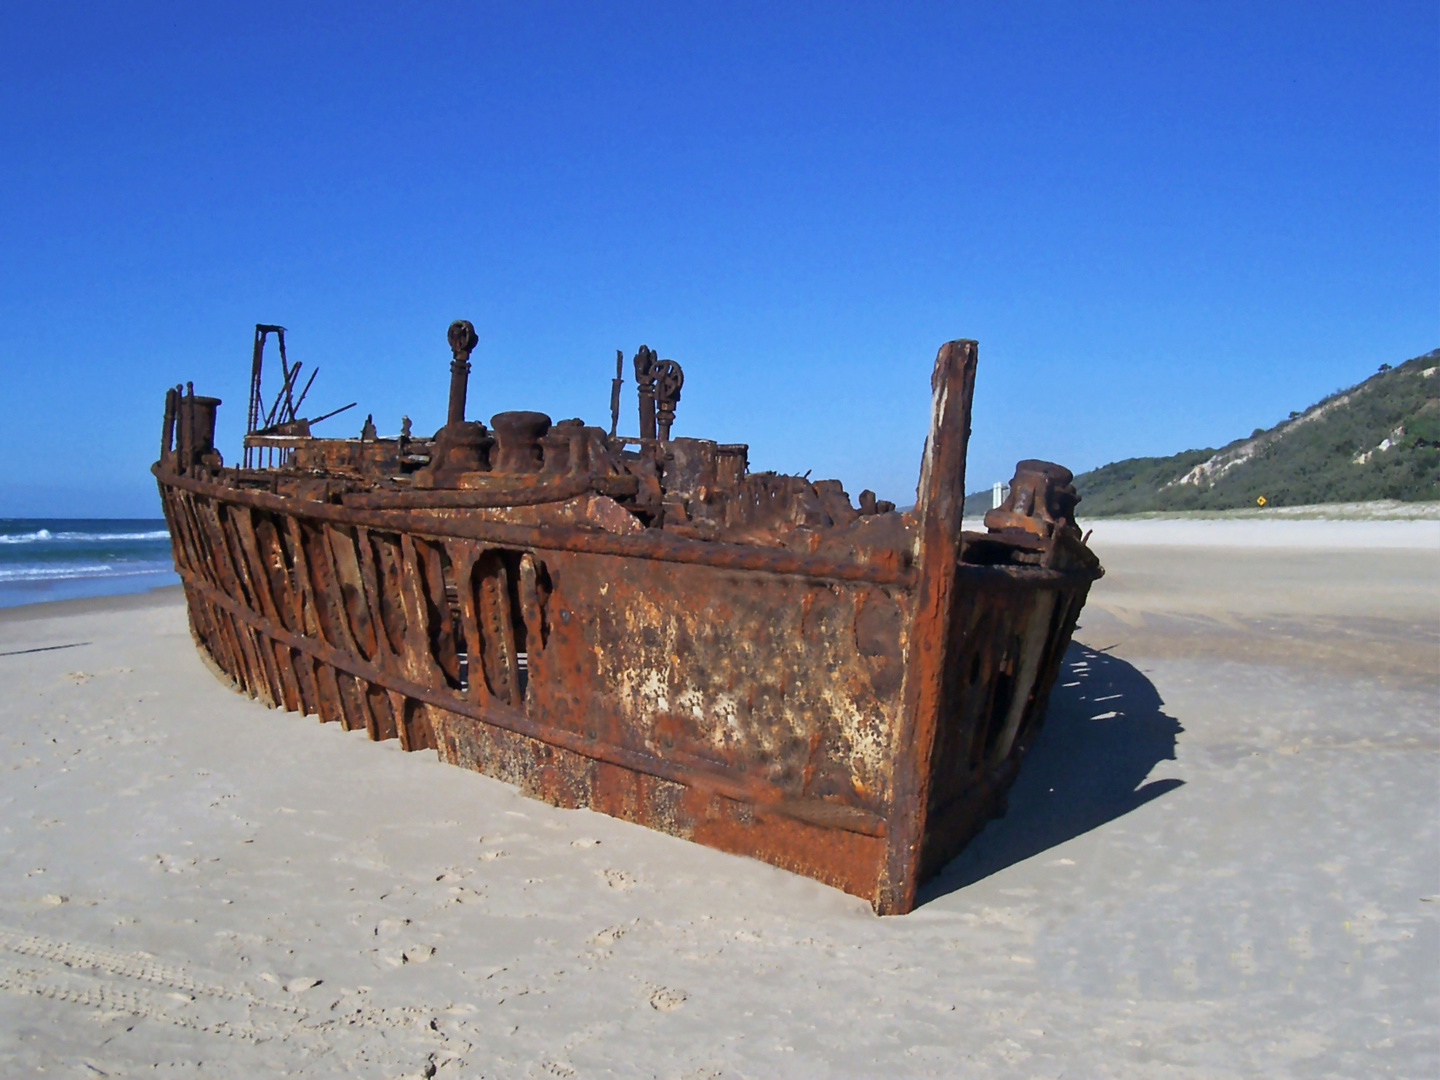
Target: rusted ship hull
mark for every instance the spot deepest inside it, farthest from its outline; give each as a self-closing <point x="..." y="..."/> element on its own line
<point x="853" y="712"/>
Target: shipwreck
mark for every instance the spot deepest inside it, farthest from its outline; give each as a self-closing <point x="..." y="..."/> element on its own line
<point x="642" y="625"/>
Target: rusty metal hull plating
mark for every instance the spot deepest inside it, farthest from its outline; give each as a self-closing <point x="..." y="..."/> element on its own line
<point x="851" y="714"/>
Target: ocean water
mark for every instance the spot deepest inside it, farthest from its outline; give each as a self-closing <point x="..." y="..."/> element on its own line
<point x="61" y="558"/>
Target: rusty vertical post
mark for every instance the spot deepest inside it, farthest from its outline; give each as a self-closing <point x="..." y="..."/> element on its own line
<point x="939" y="501"/>
<point x="179" y="427"/>
<point x="252" y="415"/>
<point x="645" y="373"/>
<point x="615" y="385"/>
<point x="187" y="428"/>
<point x="463" y="340"/>
<point x="167" y="437"/>
<point x="669" y="378"/>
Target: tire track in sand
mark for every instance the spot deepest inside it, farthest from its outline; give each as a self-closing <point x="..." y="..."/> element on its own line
<point x="142" y="986"/>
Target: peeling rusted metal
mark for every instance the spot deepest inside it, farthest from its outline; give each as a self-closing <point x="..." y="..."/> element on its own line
<point x="642" y="626"/>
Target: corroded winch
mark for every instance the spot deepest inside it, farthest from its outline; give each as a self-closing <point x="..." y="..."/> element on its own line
<point x="641" y="625"/>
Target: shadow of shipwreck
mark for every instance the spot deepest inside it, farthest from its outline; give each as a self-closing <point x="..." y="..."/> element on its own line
<point x="1104" y="731"/>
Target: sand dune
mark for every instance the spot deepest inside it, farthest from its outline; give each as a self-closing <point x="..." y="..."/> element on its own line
<point x="1220" y="860"/>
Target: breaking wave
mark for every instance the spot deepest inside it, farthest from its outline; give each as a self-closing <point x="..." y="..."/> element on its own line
<point x="63" y="573"/>
<point x="40" y="536"/>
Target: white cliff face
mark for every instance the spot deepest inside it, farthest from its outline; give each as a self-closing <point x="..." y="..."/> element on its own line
<point x="1393" y="439"/>
<point x="1213" y="468"/>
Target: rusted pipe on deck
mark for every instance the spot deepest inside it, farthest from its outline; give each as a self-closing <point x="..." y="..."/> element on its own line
<point x="463" y="340"/>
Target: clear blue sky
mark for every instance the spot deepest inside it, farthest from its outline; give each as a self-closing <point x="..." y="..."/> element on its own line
<point x="1167" y="224"/>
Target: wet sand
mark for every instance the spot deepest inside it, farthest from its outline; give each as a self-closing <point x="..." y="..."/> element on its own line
<point x="1222" y="859"/>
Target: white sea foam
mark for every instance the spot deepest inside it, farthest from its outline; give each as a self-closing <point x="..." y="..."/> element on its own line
<point x="62" y="573"/>
<point x="40" y="536"/>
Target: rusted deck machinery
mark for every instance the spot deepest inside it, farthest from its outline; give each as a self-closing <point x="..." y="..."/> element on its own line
<point x="641" y="625"/>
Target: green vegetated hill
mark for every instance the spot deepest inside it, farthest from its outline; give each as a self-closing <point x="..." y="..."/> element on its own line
<point x="1379" y="439"/>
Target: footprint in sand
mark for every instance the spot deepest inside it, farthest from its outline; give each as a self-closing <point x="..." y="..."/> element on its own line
<point x="618" y="879"/>
<point x="609" y="935"/>
<point x="666" y="999"/>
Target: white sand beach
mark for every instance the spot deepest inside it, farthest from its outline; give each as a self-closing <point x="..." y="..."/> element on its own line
<point x="1222" y="859"/>
<point x="1248" y="532"/>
